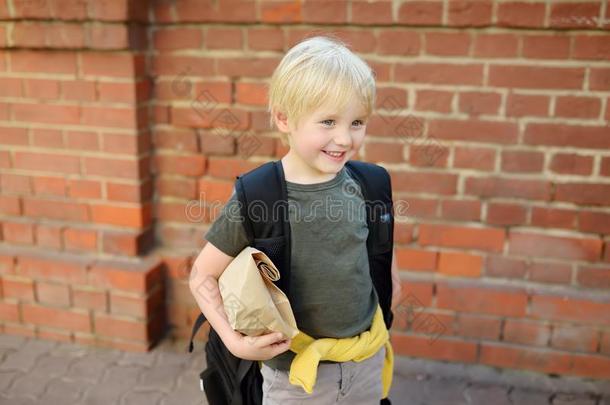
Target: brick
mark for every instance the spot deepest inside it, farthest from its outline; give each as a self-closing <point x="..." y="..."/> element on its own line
<point x="462" y="237"/>
<point x="575" y="338"/>
<point x="48" y="138"/>
<point x="47" y="162"/>
<point x="592" y="47"/>
<point x="555" y="273"/>
<point x="141" y="306"/>
<point x="520" y="14"/>
<point x="41" y="89"/>
<point x="10" y="206"/>
<point x="110" y="10"/>
<point x="268" y="38"/>
<point x="526" y="332"/>
<point x="443" y="349"/>
<point x="16" y="184"/>
<point x="138" y="216"/>
<point x="422" y="182"/>
<point x="554" y="217"/>
<point x="447" y="44"/>
<point x="570" y="309"/>
<point x="191" y="117"/>
<point x="416" y="260"/>
<point x="591" y="366"/>
<point x="597" y="222"/>
<point x="247" y="67"/>
<point x="111" y="64"/>
<point x="542" y="78"/>
<point x="477" y="103"/>
<point x="111" y="36"/>
<point x="17" y="232"/>
<point x="573" y="15"/>
<point x="461" y="210"/>
<point x="433" y="100"/>
<point x="228" y="168"/>
<point x="78" y="90"/>
<point x="91" y="189"/>
<point x="251" y="93"/>
<point x="224" y="38"/>
<point x="9" y="312"/>
<point x="54" y="186"/>
<point x="605" y="167"/>
<point x="605" y="343"/>
<point x="474" y="131"/>
<point x="80" y="239"/>
<point x="546" y="47"/>
<point x="44" y="62"/>
<point x="176" y="139"/>
<point x="281" y="12"/>
<point x="49" y="236"/>
<point x="569" y="163"/>
<point x="127" y="243"/>
<point x="90" y="298"/>
<point x="53" y="209"/>
<point x="478" y="327"/>
<point x="594" y="277"/>
<point x="577" y="107"/>
<point x="583" y="193"/>
<point x="180" y="38"/>
<point x="420" y="13"/>
<point x="506" y="214"/>
<point x="590" y="137"/>
<point x="47" y="114"/>
<point x="431" y="153"/>
<point x="508" y="187"/>
<point x="522" y="105"/>
<point x="140" y="277"/>
<point x="117" y="168"/>
<point x="227" y="11"/>
<point x="72" y="320"/>
<point x="495" y="45"/>
<point x="460" y="264"/>
<point x="477" y="298"/>
<point x="545" y="361"/>
<point x="48" y="268"/>
<point x="499" y="266"/>
<point x="181" y="164"/>
<point x="474" y="158"/>
<point x="521" y="161"/>
<point x="332" y="12"/>
<point x="82" y="140"/>
<point x="599" y="78"/>
<point x="18" y="288"/>
<point x="437" y="73"/>
<point x="107" y="325"/>
<point x="539" y="245"/>
<point x="53" y="293"/>
<point x="173" y="65"/>
<point x="469" y="13"/>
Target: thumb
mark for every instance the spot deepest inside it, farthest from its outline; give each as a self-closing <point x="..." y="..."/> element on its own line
<point x="270" y="338"/>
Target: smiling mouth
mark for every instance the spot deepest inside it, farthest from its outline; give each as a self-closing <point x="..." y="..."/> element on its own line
<point x="334" y="154"/>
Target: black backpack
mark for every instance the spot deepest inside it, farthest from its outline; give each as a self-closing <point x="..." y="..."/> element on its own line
<point x="229" y="380"/>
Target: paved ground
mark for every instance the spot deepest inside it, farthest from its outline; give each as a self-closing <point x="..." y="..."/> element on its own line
<point x="43" y="372"/>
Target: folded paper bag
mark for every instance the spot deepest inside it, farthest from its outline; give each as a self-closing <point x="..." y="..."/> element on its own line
<point x="253" y="304"/>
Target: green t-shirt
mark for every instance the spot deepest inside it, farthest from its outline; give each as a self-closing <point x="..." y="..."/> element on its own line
<point x="331" y="291"/>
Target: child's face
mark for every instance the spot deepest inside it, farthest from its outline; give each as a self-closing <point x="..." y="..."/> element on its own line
<point x="326" y="130"/>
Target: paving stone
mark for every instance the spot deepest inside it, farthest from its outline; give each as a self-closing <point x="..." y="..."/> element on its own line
<point x="64" y="391"/>
<point x="142" y="398"/>
<point x="172" y="359"/>
<point x="138" y="359"/>
<point x="573" y="399"/>
<point x="7" y="378"/>
<point x="18" y="401"/>
<point x="487" y="394"/>
<point x="117" y="381"/>
<point x="28" y="384"/>
<point x="186" y="393"/>
<point x="162" y="378"/>
<point x="526" y="397"/>
<point x="444" y="392"/>
<point x="527" y="380"/>
<point x="92" y="366"/>
<point x="27" y="355"/>
<point x="408" y="392"/>
<point x="12" y="341"/>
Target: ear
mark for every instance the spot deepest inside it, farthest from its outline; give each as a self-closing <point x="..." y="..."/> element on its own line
<point x="281" y="121"/>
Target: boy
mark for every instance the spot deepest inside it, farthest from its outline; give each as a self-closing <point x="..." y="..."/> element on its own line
<point x="320" y="98"/>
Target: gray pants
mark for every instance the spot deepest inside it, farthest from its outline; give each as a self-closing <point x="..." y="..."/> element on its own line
<point x="337" y="383"/>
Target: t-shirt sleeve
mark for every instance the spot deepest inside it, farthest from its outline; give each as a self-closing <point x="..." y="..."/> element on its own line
<point x="227" y="232"/>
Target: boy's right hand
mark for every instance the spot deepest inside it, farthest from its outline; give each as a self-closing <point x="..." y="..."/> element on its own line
<point x="263" y="347"/>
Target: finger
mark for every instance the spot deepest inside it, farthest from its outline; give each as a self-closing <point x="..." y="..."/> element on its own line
<point x="269" y="339"/>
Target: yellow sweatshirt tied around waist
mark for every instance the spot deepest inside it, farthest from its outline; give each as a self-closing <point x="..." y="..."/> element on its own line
<point x="310" y="351"/>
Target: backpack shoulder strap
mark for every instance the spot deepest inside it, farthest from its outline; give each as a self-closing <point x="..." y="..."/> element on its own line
<point x="376" y="186"/>
<point x="264" y="207"/>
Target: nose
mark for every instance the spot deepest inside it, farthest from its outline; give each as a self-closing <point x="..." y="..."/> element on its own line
<point x="343" y="139"/>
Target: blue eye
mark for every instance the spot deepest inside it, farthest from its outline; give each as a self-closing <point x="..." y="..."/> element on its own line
<point x="327" y="121"/>
<point x="360" y="122"/>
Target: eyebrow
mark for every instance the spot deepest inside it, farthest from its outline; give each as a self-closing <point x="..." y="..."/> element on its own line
<point x="337" y="116"/>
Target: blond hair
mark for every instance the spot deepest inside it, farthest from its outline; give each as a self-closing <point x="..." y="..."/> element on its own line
<point x="319" y="71"/>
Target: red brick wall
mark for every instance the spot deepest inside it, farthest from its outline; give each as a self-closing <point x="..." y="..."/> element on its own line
<point x="492" y="117"/>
